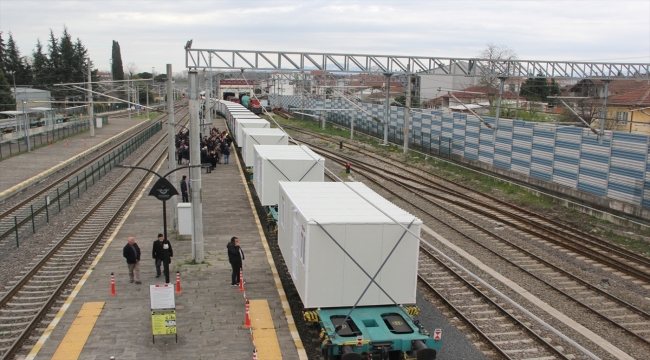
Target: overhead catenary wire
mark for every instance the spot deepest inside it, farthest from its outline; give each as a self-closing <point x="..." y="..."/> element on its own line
<point x="446" y="257"/>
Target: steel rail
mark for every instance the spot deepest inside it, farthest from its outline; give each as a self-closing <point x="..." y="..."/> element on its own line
<point x="567" y="242"/>
<point x="17" y="344"/>
<point x="589" y="286"/>
<point x="39" y="210"/>
<point x="485" y="297"/>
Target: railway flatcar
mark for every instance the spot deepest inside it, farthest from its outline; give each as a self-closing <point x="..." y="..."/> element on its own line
<point x="355" y="270"/>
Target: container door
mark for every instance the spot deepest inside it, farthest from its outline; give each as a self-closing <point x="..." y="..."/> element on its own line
<point x="295" y="247"/>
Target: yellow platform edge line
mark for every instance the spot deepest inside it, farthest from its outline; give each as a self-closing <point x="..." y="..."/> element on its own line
<point x="264" y="336"/>
<point x="50" y="328"/>
<point x="302" y="354"/>
<point x="73" y="343"/>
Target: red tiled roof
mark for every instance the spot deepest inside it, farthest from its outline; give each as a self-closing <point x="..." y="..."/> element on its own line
<point x="637" y="97"/>
<point x="615" y="86"/>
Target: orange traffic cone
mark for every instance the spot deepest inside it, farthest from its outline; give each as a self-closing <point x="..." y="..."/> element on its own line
<point x="247" y="323"/>
<point x="178" y="282"/>
<point x="84" y="142"/>
<point x="112" y="284"/>
<point x="255" y="354"/>
<point x="66" y="142"/>
<point x="241" y="280"/>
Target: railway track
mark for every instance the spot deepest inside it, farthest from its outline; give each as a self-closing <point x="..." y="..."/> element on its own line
<point x="33" y="296"/>
<point x="516" y="217"/>
<point x="36" y="204"/>
<point x="496" y="324"/>
<point x="628" y="318"/>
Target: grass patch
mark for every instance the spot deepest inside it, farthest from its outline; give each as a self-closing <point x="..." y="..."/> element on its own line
<point x="636" y="245"/>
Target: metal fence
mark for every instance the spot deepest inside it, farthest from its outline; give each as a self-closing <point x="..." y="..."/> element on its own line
<point x="37" y="138"/>
<point x="15" y="230"/>
<point x="616" y="166"/>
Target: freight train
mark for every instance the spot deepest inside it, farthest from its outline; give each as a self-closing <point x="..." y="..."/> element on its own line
<point x="354" y="268"/>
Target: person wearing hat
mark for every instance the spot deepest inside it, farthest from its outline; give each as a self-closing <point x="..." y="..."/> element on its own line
<point x="162" y="253"/>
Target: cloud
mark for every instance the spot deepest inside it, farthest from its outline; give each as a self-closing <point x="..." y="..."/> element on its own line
<point x="152" y="33"/>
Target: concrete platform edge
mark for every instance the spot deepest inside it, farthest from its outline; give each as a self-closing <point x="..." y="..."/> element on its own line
<point x="50" y="328"/>
<point x="302" y="354"/>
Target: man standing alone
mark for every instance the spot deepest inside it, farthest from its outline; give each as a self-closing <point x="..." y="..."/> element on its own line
<point x="235" y="256"/>
<point x="131" y="252"/>
<point x="162" y="252"/>
<point x="184" y="189"/>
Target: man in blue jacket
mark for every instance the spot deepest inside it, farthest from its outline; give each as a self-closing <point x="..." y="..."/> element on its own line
<point x="131" y="252"/>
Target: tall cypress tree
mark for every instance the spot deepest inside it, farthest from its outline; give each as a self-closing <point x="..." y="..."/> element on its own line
<point x="117" y="67"/>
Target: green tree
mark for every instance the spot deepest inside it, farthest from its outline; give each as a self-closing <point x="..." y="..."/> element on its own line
<point x="55" y="59"/>
<point x="68" y="62"/>
<point x="142" y="96"/>
<point x="6" y="97"/>
<point x="117" y="68"/>
<point x="40" y="67"/>
<point x="143" y="75"/>
<point x="539" y="89"/>
<point x="3" y="53"/>
<point x="16" y="63"/>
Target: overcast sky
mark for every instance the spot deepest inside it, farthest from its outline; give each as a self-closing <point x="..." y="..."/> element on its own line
<point x="153" y="33"/>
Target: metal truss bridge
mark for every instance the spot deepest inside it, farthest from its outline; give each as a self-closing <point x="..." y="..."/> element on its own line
<point x="286" y="61"/>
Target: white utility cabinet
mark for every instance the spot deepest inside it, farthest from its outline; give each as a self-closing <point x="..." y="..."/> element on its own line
<point x="324" y="276"/>
<point x="241" y="123"/>
<point x="275" y="163"/>
<point x="185" y="218"/>
<point x="257" y="136"/>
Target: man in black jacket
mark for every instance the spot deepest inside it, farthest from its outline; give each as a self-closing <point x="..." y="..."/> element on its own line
<point x="131" y="252"/>
<point x="162" y="252"/>
<point x="235" y="256"/>
<point x="184" y="189"/>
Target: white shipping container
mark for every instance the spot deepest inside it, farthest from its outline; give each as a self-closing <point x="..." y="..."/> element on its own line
<point x="232" y="119"/>
<point x="256" y="136"/>
<point x="323" y="274"/>
<point x="275" y="163"/>
<point x="248" y="123"/>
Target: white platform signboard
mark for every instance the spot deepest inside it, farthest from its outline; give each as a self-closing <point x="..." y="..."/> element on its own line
<point x="162" y="296"/>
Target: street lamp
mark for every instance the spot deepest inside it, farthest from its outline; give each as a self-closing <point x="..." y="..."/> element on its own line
<point x="26" y="126"/>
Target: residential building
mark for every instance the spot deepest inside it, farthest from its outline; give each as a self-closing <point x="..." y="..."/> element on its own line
<point x="629" y="111"/>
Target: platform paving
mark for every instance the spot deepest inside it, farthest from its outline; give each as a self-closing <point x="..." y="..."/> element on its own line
<point x="210" y="312"/>
<point x="19" y="168"/>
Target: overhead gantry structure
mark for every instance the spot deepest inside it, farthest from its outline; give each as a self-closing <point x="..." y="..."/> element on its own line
<point x="389" y="65"/>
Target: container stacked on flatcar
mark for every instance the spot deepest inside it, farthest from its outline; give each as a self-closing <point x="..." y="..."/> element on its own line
<point x="353" y="264"/>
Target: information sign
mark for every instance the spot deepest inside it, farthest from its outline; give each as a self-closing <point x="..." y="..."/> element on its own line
<point x="162" y="297"/>
<point x="163" y="322"/>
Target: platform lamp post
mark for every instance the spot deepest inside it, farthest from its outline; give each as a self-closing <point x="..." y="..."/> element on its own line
<point x="26" y="126"/>
<point x="163" y="190"/>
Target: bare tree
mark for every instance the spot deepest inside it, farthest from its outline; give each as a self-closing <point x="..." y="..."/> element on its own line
<point x="131" y="69"/>
<point x="494" y="52"/>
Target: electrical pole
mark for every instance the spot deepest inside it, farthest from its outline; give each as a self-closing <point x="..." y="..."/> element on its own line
<point x="407" y="112"/>
<point x="602" y="123"/>
<point x="195" y="172"/>
<point x="502" y="80"/>
<point x="128" y="95"/>
<point x="171" y="145"/>
<point x="90" y="102"/>
<point x="146" y="91"/>
<point x="387" y="107"/>
<point x="208" y="101"/>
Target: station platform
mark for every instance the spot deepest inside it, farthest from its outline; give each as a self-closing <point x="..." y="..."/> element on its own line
<point x="24" y="166"/>
<point x="210" y="313"/>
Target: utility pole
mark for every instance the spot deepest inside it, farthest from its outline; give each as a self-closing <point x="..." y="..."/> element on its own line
<point x="387" y="107"/>
<point x="195" y="172"/>
<point x="407" y="112"/>
<point x="602" y="122"/>
<point x="146" y="91"/>
<point x="208" y="101"/>
<point x="502" y="80"/>
<point x="171" y="145"/>
<point x="128" y="95"/>
<point x="90" y="102"/>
